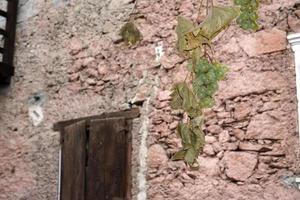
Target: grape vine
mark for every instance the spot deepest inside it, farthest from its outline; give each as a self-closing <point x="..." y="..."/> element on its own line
<point x="248" y="17"/>
<point x="197" y="93"/>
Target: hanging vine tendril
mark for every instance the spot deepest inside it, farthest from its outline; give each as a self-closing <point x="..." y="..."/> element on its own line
<point x="192" y="96"/>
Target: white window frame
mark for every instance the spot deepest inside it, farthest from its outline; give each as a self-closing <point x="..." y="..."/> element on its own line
<point x="294" y="40"/>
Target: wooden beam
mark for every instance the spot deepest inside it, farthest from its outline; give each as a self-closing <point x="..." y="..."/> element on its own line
<point x="106" y="172"/>
<point x="73" y="162"/>
<point x="127" y="114"/>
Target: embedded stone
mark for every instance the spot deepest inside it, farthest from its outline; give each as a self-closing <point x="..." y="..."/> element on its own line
<point x="294" y="23"/>
<point x="169" y="62"/>
<point x="262" y="42"/>
<point x="74" y="77"/>
<point x="209" y="150"/>
<point x="173" y="125"/>
<point x="209" y="166"/>
<point x="266" y="126"/>
<point x="141" y="94"/>
<point x="222" y="115"/>
<point x="157" y="156"/>
<point x="224" y="136"/>
<point x="102" y="69"/>
<point x="164" y="95"/>
<point x="230" y="146"/>
<point x="248" y="146"/>
<point x="269" y="106"/>
<point x="75" y="46"/>
<point x="215" y="129"/>
<point x="239" y="134"/>
<point x="217" y="147"/>
<point x="249" y="82"/>
<point x="91" y="81"/>
<point x="88" y="61"/>
<point x="297" y="13"/>
<point x="242" y="110"/>
<point x="210" y="139"/>
<point x="239" y="166"/>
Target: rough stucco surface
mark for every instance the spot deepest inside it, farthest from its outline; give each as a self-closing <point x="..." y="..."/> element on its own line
<point x="71" y="51"/>
<point x="44" y="62"/>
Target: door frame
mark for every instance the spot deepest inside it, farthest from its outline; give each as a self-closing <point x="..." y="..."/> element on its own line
<point x="129" y="115"/>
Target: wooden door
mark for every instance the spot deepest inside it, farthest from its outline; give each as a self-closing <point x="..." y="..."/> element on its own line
<point x="107" y="160"/>
<point x="96" y="159"/>
<point x="73" y="162"/>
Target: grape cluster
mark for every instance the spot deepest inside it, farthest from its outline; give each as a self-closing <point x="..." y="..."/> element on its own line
<point x="248" y="17"/>
<point x="206" y="82"/>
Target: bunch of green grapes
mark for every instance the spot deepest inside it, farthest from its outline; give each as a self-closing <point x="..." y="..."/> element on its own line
<point x="207" y="76"/>
<point x="248" y="17"/>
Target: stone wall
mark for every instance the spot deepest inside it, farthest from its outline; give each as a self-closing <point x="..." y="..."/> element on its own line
<point x="70" y="51"/>
<point x="251" y="137"/>
<point x="65" y="53"/>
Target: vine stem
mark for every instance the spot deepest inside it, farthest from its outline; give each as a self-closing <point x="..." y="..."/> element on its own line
<point x="207" y="6"/>
<point x="212" y="52"/>
<point x="133" y="9"/>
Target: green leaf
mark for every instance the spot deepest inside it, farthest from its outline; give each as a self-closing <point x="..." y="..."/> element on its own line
<point x="247" y="21"/>
<point x="130" y="33"/>
<point x="199" y="88"/>
<point x="218" y="18"/>
<point x="197" y="122"/>
<point x="242" y="2"/>
<point x="190" y="156"/>
<point x="179" y="155"/>
<point x="177" y="96"/>
<point x="193" y="42"/>
<point x="200" y="139"/>
<point x="192" y="140"/>
<point x="220" y="70"/>
<point x="190" y="38"/>
<point x="183" y="98"/>
<point x="190" y="65"/>
<point x="196" y="57"/>
<point x="184" y="26"/>
<point x="207" y="102"/>
<point x="248" y="17"/>
<point x="185" y="134"/>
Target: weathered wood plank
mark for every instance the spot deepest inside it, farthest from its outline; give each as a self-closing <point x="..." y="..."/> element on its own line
<point x="128" y="114"/>
<point x="73" y="162"/>
<point x="129" y="159"/>
<point x="107" y="173"/>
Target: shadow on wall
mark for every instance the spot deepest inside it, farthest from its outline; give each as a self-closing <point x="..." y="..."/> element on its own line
<point x="4" y="90"/>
